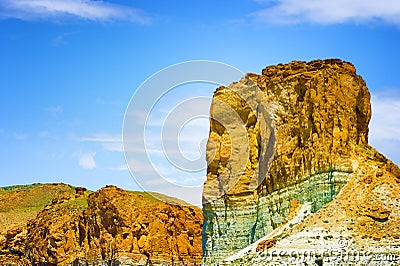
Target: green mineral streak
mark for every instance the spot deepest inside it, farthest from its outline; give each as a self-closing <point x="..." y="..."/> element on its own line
<point x="229" y="228"/>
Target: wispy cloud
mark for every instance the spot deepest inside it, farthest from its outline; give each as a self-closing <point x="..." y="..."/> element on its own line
<point x="102" y="137"/>
<point x="61" y="39"/>
<point x="87" y="161"/>
<point x="82" y="9"/>
<point x="110" y="142"/>
<point x="20" y="136"/>
<point x="47" y="135"/>
<point x="54" y="110"/>
<point x="329" y="12"/>
<point x="141" y="167"/>
<point x="122" y="167"/>
<point x="58" y="41"/>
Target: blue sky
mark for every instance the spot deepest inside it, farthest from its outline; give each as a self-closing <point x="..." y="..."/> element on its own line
<point x="68" y="69"/>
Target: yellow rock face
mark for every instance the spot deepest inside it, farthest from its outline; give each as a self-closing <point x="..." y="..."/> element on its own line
<point x="298" y="131"/>
<point x="314" y="111"/>
<point x="109" y="225"/>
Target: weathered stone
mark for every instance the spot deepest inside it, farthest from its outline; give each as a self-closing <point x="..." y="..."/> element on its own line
<point x="266" y="244"/>
<point x="111" y="225"/>
<point x="298" y="132"/>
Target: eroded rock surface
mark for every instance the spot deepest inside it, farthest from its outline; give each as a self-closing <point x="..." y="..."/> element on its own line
<point x="299" y="132"/>
<point x="108" y="227"/>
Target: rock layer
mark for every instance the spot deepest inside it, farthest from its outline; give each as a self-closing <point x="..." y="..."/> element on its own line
<point x="299" y="132"/>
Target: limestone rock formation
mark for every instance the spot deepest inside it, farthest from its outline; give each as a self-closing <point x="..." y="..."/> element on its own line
<point x="110" y="226"/>
<point x="296" y="132"/>
<point x="18" y="205"/>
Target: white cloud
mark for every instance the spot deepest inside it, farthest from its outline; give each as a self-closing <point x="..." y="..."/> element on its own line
<point x="87" y="161"/>
<point x="83" y="9"/>
<point x="384" y="133"/>
<point x="110" y="142"/>
<point x="113" y="146"/>
<point x="385" y="122"/>
<point x="102" y="137"/>
<point x="329" y="12"/>
<point x="122" y="167"/>
<point x="113" y="142"/>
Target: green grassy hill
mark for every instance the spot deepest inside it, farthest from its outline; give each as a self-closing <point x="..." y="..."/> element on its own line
<point x="20" y="203"/>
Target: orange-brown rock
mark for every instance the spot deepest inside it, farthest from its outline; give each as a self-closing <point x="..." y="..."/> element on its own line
<point x="111" y="225"/>
<point x="266" y="244"/>
<point x="297" y="131"/>
<point x="306" y="114"/>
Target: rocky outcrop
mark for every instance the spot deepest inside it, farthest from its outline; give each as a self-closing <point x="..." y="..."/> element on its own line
<point x="109" y="227"/>
<point x="18" y="205"/>
<point x="297" y="132"/>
